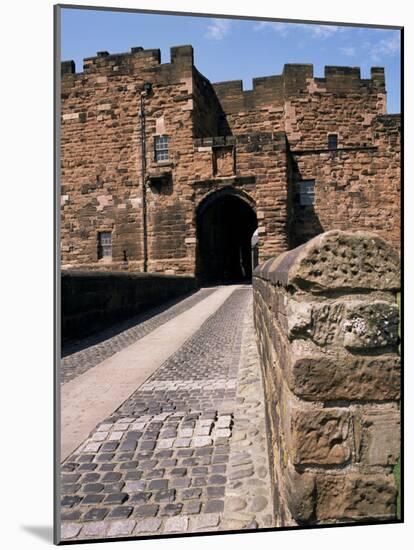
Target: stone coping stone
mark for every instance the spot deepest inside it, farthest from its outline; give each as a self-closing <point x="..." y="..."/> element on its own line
<point x="336" y="260"/>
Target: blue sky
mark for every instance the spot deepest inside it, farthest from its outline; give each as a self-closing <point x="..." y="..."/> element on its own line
<point x="229" y="49"/>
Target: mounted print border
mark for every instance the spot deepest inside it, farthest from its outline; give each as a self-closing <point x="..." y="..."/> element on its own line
<point x="228" y="290"/>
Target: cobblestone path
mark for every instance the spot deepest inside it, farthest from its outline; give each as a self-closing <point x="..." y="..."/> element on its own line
<point x="187" y="451"/>
<point x="79" y="356"/>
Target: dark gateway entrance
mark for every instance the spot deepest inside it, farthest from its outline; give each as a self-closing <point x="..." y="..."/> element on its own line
<point x="225" y="225"/>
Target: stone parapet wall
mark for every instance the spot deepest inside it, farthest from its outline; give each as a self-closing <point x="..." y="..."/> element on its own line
<point x="94" y="300"/>
<point x="327" y="327"/>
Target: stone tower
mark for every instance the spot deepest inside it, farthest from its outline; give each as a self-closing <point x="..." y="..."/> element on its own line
<point x="294" y="156"/>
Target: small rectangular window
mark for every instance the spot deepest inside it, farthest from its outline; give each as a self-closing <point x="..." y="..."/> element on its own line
<point x="307" y="192"/>
<point x="161" y="148"/>
<point x="332" y="141"/>
<point x="104" y="244"/>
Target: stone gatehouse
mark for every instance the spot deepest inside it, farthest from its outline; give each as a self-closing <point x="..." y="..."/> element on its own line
<point x="294" y="156"/>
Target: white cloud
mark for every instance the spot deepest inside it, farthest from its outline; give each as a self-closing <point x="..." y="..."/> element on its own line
<point x="315" y="31"/>
<point x="217" y="29"/>
<point x="349" y="51"/>
<point x="279" y="28"/>
<point x="386" y="47"/>
<point x="322" y="31"/>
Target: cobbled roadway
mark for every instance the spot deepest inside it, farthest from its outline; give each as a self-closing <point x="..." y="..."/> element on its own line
<point x="187" y="451"/>
<point x="79" y="356"/>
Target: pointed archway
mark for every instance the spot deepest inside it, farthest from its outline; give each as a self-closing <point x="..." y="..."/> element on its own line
<point x="226" y="221"/>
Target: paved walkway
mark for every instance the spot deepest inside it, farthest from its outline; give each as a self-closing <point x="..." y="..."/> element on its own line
<point x="81" y="355"/>
<point x="186" y="451"/>
<point x="96" y="393"/>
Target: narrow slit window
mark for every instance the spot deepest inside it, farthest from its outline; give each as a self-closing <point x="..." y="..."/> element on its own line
<point x="161" y="148"/>
<point x="307" y="192"/>
<point x="332" y="141"/>
<point x="104" y="244"/>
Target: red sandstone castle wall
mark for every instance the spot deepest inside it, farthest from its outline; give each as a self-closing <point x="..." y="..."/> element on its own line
<point x="101" y="165"/>
<point x="340" y="103"/>
<point x="358" y="185"/>
<point x="354" y="188"/>
<point x="220" y="137"/>
<point x="260" y="170"/>
<point x="307" y="108"/>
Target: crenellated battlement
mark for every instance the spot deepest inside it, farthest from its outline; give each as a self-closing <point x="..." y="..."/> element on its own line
<point x="135" y="60"/>
<point x="338" y="79"/>
<point x="233" y="98"/>
<point x="297" y="79"/>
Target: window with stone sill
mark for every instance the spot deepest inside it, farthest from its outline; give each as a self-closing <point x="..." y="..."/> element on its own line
<point x="307" y="192"/>
<point x="104" y="245"/>
<point x="161" y="148"/>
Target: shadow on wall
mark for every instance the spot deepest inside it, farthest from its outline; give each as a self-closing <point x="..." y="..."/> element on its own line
<point x="305" y="222"/>
<point x="74" y="345"/>
<point x="223" y="125"/>
<point x="161" y="186"/>
<point x="93" y="301"/>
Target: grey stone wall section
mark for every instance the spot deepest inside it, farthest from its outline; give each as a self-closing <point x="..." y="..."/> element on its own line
<point x="326" y="322"/>
<point x="94" y="300"/>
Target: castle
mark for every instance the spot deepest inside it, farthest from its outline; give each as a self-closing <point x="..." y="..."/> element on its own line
<point x="163" y="171"/>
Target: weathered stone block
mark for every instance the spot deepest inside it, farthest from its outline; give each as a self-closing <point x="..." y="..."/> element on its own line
<point x="71" y="116"/>
<point x="337" y="260"/>
<point x="320" y="323"/>
<point x="326" y="321"/>
<point x="320" y="436"/>
<point x="104" y="107"/>
<point x="370" y="325"/>
<point x="380" y="436"/>
<point x="299" y="318"/>
<point x="325" y="378"/>
<point x="300" y="494"/>
<point x="354" y="496"/>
